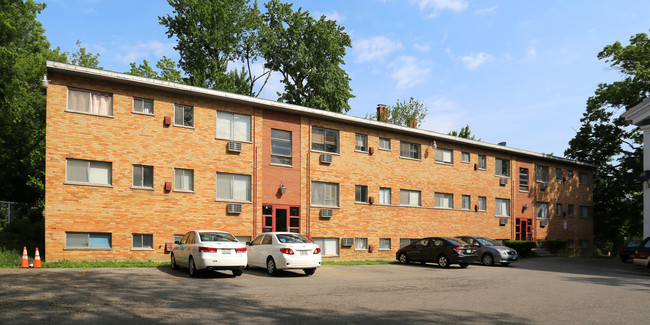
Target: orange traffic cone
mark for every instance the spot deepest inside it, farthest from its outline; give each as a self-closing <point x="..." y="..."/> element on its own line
<point x="25" y="261"/>
<point x="37" y="259"/>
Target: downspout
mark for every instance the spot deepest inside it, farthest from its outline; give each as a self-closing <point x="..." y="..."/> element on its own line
<point x="254" y="174"/>
<point x="308" y="185"/>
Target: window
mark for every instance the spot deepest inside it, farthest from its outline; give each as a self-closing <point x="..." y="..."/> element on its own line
<point x="444" y="156"/>
<point x="570" y="243"/>
<point x="558" y="174"/>
<point x="88" y="172"/>
<point x="142" y="241"/>
<point x="233" y="126"/>
<point x="141" y="105"/>
<point x="409" y="150"/>
<point x="444" y="200"/>
<point x="183" y="179"/>
<point x="360" y="244"/>
<point x="542" y="174"/>
<point x="384" y="195"/>
<point x="87" y="240"/>
<point x="482" y="203"/>
<point x="233" y="187"/>
<point x="584" y="211"/>
<point x="183" y="115"/>
<point x="142" y="176"/>
<point x="583" y="178"/>
<point x="384" y="143"/>
<point x="409" y="197"/>
<point x="280" y="147"/>
<point x="542" y="210"/>
<point x="328" y="246"/>
<point x="502" y="207"/>
<point x="406" y="241"/>
<point x="523" y="179"/>
<point x="502" y="167"/>
<point x="361" y="193"/>
<point x="464" y="157"/>
<point x="384" y="243"/>
<point x="466" y="202"/>
<point x="570" y="210"/>
<point x="482" y="163"/>
<point x="583" y="243"/>
<point x="569" y="174"/>
<point x="361" y="142"/>
<point x="325" y="140"/>
<point x="325" y="194"/>
<point x="93" y="102"/>
<point x="558" y="209"/>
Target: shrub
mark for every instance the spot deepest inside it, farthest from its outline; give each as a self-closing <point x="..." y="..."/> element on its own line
<point x="553" y="245"/>
<point x="523" y="248"/>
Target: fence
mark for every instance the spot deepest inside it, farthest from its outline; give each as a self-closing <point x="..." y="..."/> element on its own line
<point x="10" y="211"/>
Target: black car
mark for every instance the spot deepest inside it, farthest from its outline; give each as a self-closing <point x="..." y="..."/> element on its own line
<point x="627" y="252"/>
<point x="441" y="250"/>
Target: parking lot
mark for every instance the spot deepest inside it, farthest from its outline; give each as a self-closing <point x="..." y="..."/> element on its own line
<point x="532" y="291"/>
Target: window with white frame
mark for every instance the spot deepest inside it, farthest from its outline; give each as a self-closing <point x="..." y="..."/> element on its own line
<point x="384" y="243"/>
<point x="324" y="194"/>
<point x="87" y="240"/>
<point x="183" y="179"/>
<point x="183" y="115"/>
<point x="93" y="102"/>
<point x="326" y="140"/>
<point x="466" y="202"/>
<point x="558" y="209"/>
<point x="409" y="150"/>
<point x="523" y="179"/>
<point x="584" y="211"/>
<point x="501" y="207"/>
<point x="482" y="162"/>
<point x="569" y="174"/>
<point x="464" y="157"/>
<point x="233" y="187"/>
<point x="406" y="241"/>
<point x="88" y="172"/>
<point x="583" y="178"/>
<point x="482" y="203"/>
<point x="409" y="197"/>
<point x="280" y="147"/>
<point x="445" y="156"/>
<point x="142" y="241"/>
<point x="384" y="195"/>
<point x="558" y="174"/>
<point x="232" y="126"/>
<point x="361" y="193"/>
<point x="143" y="105"/>
<point x="328" y="246"/>
<point x="502" y="167"/>
<point x="542" y="174"/>
<point x="143" y="176"/>
<point x="360" y="244"/>
<point x="384" y="143"/>
<point x="570" y="210"/>
<point x="542" y="210"/>
<point x="361" y="142"/>
<point x="444" y="200"/>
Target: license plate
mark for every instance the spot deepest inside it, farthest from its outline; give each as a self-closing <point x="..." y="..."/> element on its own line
<point x="225" y="251"/>
<point x="303" y="253"/>
<point x="468" y="251"/>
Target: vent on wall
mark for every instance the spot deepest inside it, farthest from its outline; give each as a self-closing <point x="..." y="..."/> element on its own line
<point x="543" y="223"/>
<point x="234" y="146"/>
<point x="503" y="221"/>
<point x="543" y="186"/>
<point x="326" y="213"/>
<point x="347" y="242"/>
<point x="326" y="158"/>
<point x="234" y="208"/>
<point x="503" y="181"/>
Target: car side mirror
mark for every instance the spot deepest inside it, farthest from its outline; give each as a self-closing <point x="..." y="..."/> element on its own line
<point x="178" y="242"/>
<point x="248" y="243"/>
<point x="477" y="244"/>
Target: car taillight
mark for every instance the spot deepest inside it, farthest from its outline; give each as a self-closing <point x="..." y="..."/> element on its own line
<point x="459" y="249"/>
<point x="317" y="250"/>
<point x="207" y="250"/>
<point x="240" y="250"/>
<point x="287" y="251"/>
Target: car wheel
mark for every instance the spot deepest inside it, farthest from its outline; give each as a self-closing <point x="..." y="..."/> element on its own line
<point x="174" y="265"/>
<point x="443" y="261"/>
<point x="403" y="258"/>
<point x="463" y="265"/>
<point x="505" y="263"/>
<point x="238" y="272"/>
<point x="487" y="259"/>
<point x="309" y="271"/>
<point x="270" y="266"/>
<point x="191" y="268"/>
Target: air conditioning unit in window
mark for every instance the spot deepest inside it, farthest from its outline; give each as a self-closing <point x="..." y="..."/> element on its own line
<point x="326" y="158"/>
<point x="347" y="242"/>
<point x="543" y="223"/>
<point x="503" y="181"/>
<point x="234" y="208"/>
<point x="326" y="213"/>
<point x="543" y="186"/>
<point x="503" y="221"/>
<point x="234" y="146"/>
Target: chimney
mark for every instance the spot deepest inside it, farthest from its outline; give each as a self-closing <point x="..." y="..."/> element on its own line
<point x="382" y="114"/>
<point x="412" y="122"/>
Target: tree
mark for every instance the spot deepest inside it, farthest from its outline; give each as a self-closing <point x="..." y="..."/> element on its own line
<point x="166" y="66"/>
<point x="606" y="141"/>
<point x="84" y="58"/>
<point x="402" y="112"/>
<point x="464" y="133"/>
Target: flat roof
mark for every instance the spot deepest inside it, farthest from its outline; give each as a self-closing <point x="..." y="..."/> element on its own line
<point x="294" y="109"/>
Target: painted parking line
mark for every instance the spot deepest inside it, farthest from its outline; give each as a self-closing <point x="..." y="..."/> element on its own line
<point x="342" y="273"/>
<point x="83" y="275"/>
<point x="173" y="276"/>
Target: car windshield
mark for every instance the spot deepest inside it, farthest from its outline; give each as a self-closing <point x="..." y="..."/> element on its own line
<point x="488" y="242"/>
<point x="292" y="238"/>
<point x="217" y="236"/>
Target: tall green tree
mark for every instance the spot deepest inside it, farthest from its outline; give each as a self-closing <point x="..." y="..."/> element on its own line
<point x="23" y="52"/>
<point x="606" y="141"/>
<point x="464" y="133"/>
<point x="166" y="70"/>
<point x="403" y="112"/>
<point x="84" y="58"/>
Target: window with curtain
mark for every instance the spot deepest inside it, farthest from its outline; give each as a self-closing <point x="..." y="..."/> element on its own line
<point x="384" y="143"/>
<point x="558" y="174"/>
<point x="328" y="246"/>
<point x="410" y="197"/>
<point x="85" y="240"/>
<point x="542" y="174"/>
<point x="183" y="179"/>
<point x="142" y="176"/>
<point x="324" y="194"/>
<point x="361" y="142"/>
<point x="482" y="203"/>
<point x="233" y="126"/>
<point x="558" y="209"/>
<point x="444" y="200"/>
<point x="464" y="157"/>
<point x="466" y="202"/>
<point x="89" y="172"/>
<point x="384" y="243"/>
<point x="142" y="105"/>
<point x="361" y="193"/>
<point x="233" y="187"/>
<point x="482" y="162"/>
<point x="326" y="140"/>
<point x="142" y="241"/>
<point x="384" y="195"/>
<point x="183" y="115"/>
<point x="570" y="210"/>
<point x="409" y="150"/>
<point x="444" y="156"/>
<point x="93" y="102"/>
<point x="542" y="210"/>
<point x="280" y="147"/>
<point x="584" y="211"/>
<point x="502" y="167"/>
<point x="583" y="178"/>
<point x="361" y="243"/>
<point x="502" y="207"/>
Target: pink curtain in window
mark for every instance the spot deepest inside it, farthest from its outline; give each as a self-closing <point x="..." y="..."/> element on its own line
<point x="102" y="104"/>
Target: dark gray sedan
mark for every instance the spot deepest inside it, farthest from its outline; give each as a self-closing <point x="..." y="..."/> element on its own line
<point x="491" y="251"/>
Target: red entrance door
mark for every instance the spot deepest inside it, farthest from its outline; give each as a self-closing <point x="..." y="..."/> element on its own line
<point x="524" y="229"/>
<point x="280" y="218"/>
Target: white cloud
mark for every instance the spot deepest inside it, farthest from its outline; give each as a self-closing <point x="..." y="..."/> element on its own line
<point x="531" y="52"/>
<point x="443" y="115"/>
<point x="433" y="7"/>
<point x="486" y="11"/>
<point x="375" y="48"/>
<point x="409" y="71"/>
<point x="422" y="47"/>
<point x="153" y="50"/>
<point x="475" y="60"/>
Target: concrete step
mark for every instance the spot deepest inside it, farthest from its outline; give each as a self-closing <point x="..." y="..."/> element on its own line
<point x="541" y="252"/>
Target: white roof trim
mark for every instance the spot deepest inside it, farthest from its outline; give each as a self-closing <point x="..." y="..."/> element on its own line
<point x="638" y="114"/>
<point x="279" y="106"/>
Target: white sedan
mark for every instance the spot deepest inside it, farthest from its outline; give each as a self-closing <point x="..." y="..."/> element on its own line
<point x="283" y="250"/>
<point x="209" y="250"/>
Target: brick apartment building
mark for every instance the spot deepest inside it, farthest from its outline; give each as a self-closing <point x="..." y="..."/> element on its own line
<point x="132" y="163"/>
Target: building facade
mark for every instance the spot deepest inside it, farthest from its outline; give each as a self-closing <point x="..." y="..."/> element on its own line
<point x="132" y="163"/>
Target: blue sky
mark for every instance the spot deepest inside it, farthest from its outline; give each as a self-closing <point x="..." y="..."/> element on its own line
<point x="514" y="71"/>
